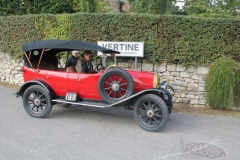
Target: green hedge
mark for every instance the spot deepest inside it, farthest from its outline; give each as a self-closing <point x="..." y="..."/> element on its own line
<point x="176" y="39"/>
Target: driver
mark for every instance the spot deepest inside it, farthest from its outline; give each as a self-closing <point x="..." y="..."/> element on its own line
<point x="84" y="64"/>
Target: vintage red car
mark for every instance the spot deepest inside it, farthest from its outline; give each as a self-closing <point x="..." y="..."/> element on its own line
<point x="47" y="83"/>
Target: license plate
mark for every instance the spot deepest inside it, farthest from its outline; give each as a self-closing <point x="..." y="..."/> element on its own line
<point x="71" y="96"/>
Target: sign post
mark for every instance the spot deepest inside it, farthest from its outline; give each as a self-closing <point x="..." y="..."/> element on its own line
<point x="127" y="49"/>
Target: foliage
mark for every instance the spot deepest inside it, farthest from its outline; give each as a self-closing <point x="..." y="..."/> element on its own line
<point x="149" y="7"/>
<point x="91" y="6"/>
<point x="22" y="7"/>
<point x="199" y="9"/>
<point x="54" y="27"/>
<point x="52" y="6"/>
<point x="222" y="84"/>
<point x="173" y="9"/>
<point x="162" y="6"/>
<point x="141" y="6"/>
<point x="14" y="31"/>
<point x="174" y="39"/>
<point x="212" y="8"/>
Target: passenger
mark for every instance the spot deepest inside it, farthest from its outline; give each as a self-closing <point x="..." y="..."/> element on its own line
<point x="72" y="61"/>
<point x="84" y="64"/>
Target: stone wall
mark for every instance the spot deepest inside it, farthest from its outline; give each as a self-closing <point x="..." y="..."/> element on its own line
<point x="10" y="70"/>
<point x="187" y="82"/>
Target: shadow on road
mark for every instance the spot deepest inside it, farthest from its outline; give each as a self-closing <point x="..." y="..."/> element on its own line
<point x="79" y="112"/>
<point x="178" y="122"/>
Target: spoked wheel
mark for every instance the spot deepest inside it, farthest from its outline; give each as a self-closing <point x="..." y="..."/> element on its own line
<point x="115" y="85"/>
<point x="37" y="101"/>
<point x="151" y="112"/>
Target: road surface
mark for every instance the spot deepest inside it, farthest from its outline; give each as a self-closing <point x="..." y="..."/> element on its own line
<point x="90" y="133"/>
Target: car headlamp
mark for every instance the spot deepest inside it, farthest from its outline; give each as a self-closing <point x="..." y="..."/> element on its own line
<point x="156" y="81"/>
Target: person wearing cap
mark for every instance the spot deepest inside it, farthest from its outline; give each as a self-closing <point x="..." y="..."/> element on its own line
<point x="72" y="61"/>
<point x="84" y="64"/>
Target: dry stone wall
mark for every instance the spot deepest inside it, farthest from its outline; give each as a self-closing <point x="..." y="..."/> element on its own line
<point x="10" y="70"/>
<point x="187" y="82"/>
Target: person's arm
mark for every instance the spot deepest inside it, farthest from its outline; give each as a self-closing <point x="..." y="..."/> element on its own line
<point x="79" y="67"/>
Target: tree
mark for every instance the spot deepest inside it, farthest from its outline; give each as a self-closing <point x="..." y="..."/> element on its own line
<point x="212" y="8"/>
<point x="90" y="6"/>
<point x="20" y="7"/>
<point x="11" y="7"/>
<point x="162" y="6"/>
<point x="149" y="6"/>
<point x="53" y="6"/>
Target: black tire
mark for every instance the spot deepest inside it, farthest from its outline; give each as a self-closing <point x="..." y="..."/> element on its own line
<point x="114" y="85"/>
<point x="37" y="102"/>
<point x="151" y="108"/>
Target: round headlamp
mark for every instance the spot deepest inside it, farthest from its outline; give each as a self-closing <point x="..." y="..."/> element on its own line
<point x="156" y="81"/>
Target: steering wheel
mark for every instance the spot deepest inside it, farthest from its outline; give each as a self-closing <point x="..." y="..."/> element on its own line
<point x="99" y="67"/>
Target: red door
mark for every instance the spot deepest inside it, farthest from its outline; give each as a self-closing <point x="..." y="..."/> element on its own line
<point x="73" y="82"/>
<point x="58" y="82"/>
<point x="88" y="86"/>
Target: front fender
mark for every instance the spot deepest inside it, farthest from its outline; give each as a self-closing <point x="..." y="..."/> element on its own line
<point x="163" y="93"/>
<point x="157" y="91"/>
<point x="34" y="82"/>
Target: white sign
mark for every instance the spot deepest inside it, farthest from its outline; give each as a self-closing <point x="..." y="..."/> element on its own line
<point x="127" y="49"/>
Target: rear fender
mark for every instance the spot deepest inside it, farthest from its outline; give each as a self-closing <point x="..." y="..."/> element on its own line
<point x="36" y="82"/>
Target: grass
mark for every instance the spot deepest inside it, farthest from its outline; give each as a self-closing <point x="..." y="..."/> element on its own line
<point x="10" y="85"/>
<point x="178" y="108"/>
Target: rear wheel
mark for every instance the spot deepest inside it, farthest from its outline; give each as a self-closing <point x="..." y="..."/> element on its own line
<point x="151" y="112"/>
<point x="37" y="102"/>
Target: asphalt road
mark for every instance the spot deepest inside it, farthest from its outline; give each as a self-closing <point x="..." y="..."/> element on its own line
<point x="90" y="133"/>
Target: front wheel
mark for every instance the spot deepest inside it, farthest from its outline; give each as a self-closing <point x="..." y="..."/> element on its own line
<point x="151" y="112"/>
<point x="37" y="102"/>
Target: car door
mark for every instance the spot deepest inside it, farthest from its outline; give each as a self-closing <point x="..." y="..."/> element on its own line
<point x="88" y="86"/>
<point x="57" y="80"/>
<point x="73" y="82"/>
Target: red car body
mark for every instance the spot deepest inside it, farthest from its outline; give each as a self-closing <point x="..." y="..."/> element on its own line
<point x="85" y="85"/>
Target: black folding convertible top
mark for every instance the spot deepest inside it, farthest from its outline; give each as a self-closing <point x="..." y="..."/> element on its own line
<point x="64" y="45"/>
